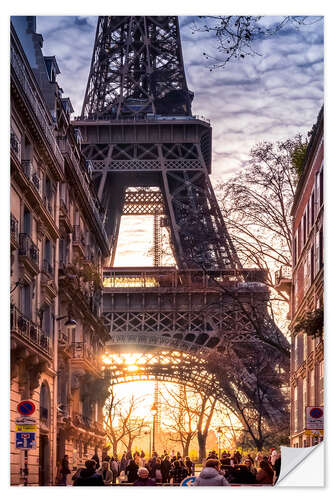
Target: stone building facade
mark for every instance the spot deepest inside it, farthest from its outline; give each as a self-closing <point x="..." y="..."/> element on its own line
<point x="307" y="351"/>
<point x="57" y="245"/>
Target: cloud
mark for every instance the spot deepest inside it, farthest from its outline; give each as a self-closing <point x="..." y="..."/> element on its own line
<point x="268" y="97"/>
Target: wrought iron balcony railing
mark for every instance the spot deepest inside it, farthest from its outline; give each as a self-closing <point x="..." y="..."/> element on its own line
<point x="87" y="423"/>
<point x="15" y="145"/>
<point x="284" y="273"/>
<point x="48" y="204"/>
<point x="27" y="248"/>
<point x="80" y="350"/>
<point x="28" y="330"/>
<point x="78" y="236"/>
<point x="47" y="267"/>
<point x="93" y="203"/>
<point x="31" y="175"/>
<point x="13" y="227"/>
<point x="32" y="94"/>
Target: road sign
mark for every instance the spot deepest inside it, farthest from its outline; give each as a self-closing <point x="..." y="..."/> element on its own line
<point x="26" y="428"/>
<point x="26" y="408"/>
<point x="188" y="481"/>
<point x="25" y="440"/>
<point x="25" y="420"/>
<point x="314" y="417"/>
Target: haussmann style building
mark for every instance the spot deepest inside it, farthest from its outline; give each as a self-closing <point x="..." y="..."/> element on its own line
<point x="57" y="246"/>
<point x="307" y="348"/>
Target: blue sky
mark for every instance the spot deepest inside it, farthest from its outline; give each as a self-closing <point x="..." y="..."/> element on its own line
<point x="261" y="98"/>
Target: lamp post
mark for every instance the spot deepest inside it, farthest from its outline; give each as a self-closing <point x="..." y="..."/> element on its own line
<point x="219" y="434"/>
<point x="153" y="411"/>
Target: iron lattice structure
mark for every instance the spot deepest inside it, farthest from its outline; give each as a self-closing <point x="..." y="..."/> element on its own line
<point x="151" y="156"/>
<point x="137" y="68"/>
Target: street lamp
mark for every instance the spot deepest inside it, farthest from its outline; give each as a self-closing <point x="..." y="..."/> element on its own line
<point x="219" y="434"/>
<point x="153" y="411"/>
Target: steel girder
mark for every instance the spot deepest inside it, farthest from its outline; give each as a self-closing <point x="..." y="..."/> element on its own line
<point x="137" y="67"/>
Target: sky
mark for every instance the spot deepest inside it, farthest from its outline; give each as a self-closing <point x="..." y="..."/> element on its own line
<point x="268" y="97"/>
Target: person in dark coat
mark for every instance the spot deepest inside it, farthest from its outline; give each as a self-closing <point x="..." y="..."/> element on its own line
<point x="189" y="465"/>
<point x="132" y="471"/>
<point x="165" y="469"/>
<point x="178" y="472"/>
<point x="89" y="476"/>
<point x="143" y="479"/>
<point x="277" y="467"/>
<point x="95" y="457"/>
<point x="64" y="471"/>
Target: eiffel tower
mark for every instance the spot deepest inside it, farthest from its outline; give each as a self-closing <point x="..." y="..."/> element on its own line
<point x="150" y="155"/>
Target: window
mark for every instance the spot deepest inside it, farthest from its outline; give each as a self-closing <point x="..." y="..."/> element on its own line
<point x="312" y="208"/>
<point x="321" y="187"/>
<point x="299" y="349"/>
<point x="26" y="304"/>
<point x="304" y="399"/>
<point x="304" y="229"/>
<point x="321" y="383"/>
<point x="321" y="249"/>
<point x="295" y="251"/>
<point x="312" y="264"/>
<point x="44" y="408"/>
<point x="312" y="396"/>
<point x="27" y="221"/>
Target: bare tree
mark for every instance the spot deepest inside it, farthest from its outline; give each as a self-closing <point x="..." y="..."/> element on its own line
<point x="120" y="425"/>
<point x="182" y="416"/>
<point x="236" y="36"/>
<point x="254" y="389"/>
<point x="256" y="206"/>
<point x="205" y="415"/>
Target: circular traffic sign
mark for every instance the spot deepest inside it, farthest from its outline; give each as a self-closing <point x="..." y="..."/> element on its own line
<point x="188" y="481"/>
<point x="316" y="413"/>
<point x="26" y="408"/>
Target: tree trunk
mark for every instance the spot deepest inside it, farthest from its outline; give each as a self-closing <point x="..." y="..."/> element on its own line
<point x="114" y="448"/>
<point x="202" y="446"/>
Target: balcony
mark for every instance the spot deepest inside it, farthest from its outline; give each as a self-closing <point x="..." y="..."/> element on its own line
<point x="48" y="203"/>
<point x="15" y="145"/>
<point x="31" y="175"/>
<point x="283" y="279"/>
<point x="26" y="80"/>
<point x="47" y="268"/>
<point x="81" y="174"/>
<point x="13" y="232"/>
<point x="29" y="332"/>
<point x="88" y="424"/>
<point x="29" y="253"/>
<point x="84" y="357"/>
<point x="64" y="216"/>
<point x="79" y="240"/>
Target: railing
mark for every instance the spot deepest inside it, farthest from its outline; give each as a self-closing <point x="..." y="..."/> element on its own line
<point x="134" y="118"/>
<point x="47" y="268"/>
<point x="63" y="206"/>
<point x="23" y="76"/>
<point x="13" y="227"/>
<point x="15" y="145"/>
<point x="170" y="277"/>
<point x="29" y="330"/>
<point x="87" y="423"/>
<point x="284" y="273"/>
<point x="48" y="204"/>
<point x="67" y="149"/>
<point x="78" y="236"/>
<point x="27" y="248"/>
<point x="80" y="350"/>
<point x="31" y="175"/>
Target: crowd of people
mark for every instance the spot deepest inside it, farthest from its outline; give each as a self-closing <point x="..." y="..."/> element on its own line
<point x="137" y="470"/>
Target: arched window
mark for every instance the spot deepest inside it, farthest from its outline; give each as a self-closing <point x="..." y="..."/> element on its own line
<point x="44" y="407"/>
